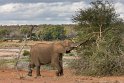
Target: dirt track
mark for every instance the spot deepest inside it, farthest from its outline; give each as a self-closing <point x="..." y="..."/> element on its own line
<point x="11" y="76"/>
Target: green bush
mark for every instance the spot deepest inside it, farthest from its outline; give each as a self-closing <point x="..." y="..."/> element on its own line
<point x="52" y="33"/>
<point x="102" y="53"/>
<point x="34" y="37"/>
<point x="98" y="64"/>
<point x="26" y="53"/>
<point x="3" y="64"/>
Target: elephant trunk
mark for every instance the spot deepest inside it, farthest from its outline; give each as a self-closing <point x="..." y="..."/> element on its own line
<point x="75" y="45"/>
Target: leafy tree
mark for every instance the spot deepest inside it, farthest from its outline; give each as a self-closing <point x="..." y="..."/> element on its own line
<point x="52" y="33"/>
<point x="99" y="25"/>
<point x="34" y="37"/>
<point x="24" y="31"/>
<point x="28" y="31"/>
<point x="31" y="31"/>
<point x="4" y="33"/>
<point x="58" y="32"/>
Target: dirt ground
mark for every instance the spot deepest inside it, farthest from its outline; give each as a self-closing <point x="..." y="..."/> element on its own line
<point x="48" y="76"/>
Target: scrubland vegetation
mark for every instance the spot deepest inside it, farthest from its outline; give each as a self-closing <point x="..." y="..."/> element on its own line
<point x="103" y="53"/>
<point x="36" y="32"/>
<point x="99" y="25"/>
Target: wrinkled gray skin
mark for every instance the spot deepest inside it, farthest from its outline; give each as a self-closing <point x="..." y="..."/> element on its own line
<point x="45" y="53"/>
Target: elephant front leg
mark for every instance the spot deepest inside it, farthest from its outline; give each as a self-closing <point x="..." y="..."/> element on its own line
<point x="38" y="71"/>
<point x="59" y="70"/>
<point x="57" y="62"/>
<point x="59" y="67"/>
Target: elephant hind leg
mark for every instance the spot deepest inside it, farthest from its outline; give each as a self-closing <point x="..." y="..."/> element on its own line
<point x="61" y="65"/>
<point x="30" y="67"/>
<point x="38" y="71"/>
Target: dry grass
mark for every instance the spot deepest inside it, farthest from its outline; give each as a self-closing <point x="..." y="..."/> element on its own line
<point x="16" y="44"/>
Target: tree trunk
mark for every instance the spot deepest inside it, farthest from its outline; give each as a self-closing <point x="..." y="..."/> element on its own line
<point x="100" y="32"/>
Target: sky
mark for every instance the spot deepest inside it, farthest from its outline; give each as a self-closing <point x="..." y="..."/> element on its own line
<point x="45" y="11"/>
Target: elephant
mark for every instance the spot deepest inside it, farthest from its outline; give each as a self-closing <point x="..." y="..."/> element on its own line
<point x="49" y="53"/>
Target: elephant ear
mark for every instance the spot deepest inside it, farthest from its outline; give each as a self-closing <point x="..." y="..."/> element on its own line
<point x="59" y="48"/>
<point x="67" y="43"/>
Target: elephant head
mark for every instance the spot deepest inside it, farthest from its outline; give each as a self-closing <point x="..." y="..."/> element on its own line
<point x="63" y="46"/>
<point x="69" y="45"/>
<point x="66" y="46"/>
